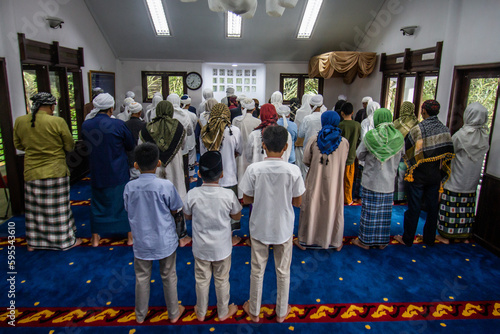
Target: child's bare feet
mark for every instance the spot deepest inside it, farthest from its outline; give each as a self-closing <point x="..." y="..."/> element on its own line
<point x="184" y="241"/>
<point x="95" y="240"/>
<point x="248" y="242"/>
<point x="130" y="240"/>
<point x="181" y="312"/>
<point x="399" y="239"/>
<point x="246" y="308"/>
<point x="281" y="319"/>
<point x="297" y="243"/>
<point x="339" y="248"/>
<point x="78" y="242"/>
<point x="231" y="311"/>
<point x="442" y="239"/>
<point x="30" y="249"/>
<point x="193" y="179"/>
<point x="139" y="322"/>
<point x="358" y="243"/>
<point x="236" y="240"/>
<point x="200" y="318"/>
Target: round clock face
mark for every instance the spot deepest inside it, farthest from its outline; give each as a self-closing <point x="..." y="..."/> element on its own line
<point x="193" y="80"/>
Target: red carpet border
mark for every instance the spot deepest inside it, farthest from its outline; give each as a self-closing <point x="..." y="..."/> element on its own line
<point x="326" y="313"/>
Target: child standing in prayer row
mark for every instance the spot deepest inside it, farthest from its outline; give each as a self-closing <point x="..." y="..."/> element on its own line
<point x="211" y="208"/>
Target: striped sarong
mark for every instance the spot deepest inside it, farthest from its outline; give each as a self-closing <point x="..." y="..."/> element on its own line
<point x="456" y="214"/>
<point x="49" y="219"/>
<point x="375" y="222"/>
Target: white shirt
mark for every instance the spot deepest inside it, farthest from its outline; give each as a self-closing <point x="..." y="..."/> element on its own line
<point x="191" y="139"/>
<point x="210" y="205"/>
<point x="273" y="183"/>
<point x="310" y="126"/>
<point x="229" y="146"/>
<point x="254" y="151"/>
<point x="124" y="116"/>
<point x="204" y="117"/>
<point x="185" y="120"/>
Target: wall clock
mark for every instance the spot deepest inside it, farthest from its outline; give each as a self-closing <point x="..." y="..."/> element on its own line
<point x="193" y="80"/>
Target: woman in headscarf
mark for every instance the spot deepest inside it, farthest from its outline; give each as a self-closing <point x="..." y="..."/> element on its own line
<point x="381" y="150"/>
<point x="254" y="151"/>
<point x="458" y="200"/>
<point x="321" y="221"/>
<point x="46" y="139"/>
<point x="151" y="110"/>
<point x="367" y="124"/>
<point x="303" y="111"/>
<point x="404" y="123"/>
<point x="169" y="135"/>
<point x="205" y="116"/>
<point x="207" y="94"/>
<point x="277" y="99"/>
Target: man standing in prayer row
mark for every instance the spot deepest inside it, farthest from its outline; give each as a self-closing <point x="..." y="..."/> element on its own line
<point x="426" y="145"/>
<point x="135" y="124"/>
<point x="361" y="114"/>
<point x="225" y="99"/>
<point x="311" y="124"/>
<point x="107" y="141"/>
<point x="186" y="105"/>
<point x="87" y="108"/>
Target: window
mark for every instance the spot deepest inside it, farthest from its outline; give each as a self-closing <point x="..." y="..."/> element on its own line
<point x="296" y="85"/>
<point x="165" y="83"/>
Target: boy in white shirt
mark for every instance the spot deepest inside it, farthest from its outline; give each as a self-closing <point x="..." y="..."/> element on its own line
<point x="273" y="186"/>
<point x="211" y="208"/>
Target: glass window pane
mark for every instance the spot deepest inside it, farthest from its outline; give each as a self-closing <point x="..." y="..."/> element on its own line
<point x="484" y="91"/>
<point x="254" y="89"/>
<point x="409" y="89"/>
<point x="247" y="81"/>
<point x="221" y="80"/>
<point x="229" y="73"/>
<point x="222" y="72"/>
<point x="247" y="88"/>
<point x="239" y="80"/>
<point x="30" y="86"/>
<point x="214" y="88"/>
<point x="154" y="85"/>
<point x="229" y="80"/>
<point x="215" y="72"/>
<point x="215" y="80"/>
<point x="239" y="73"/>
<point x="391" y="94"/>
<point x="221" y="88"/>
<point x="254" y="73"/>
<point x="311" y="86"/>
<point x="55" y="89"/>
<point x="290" y="88"/>
<point x="72" y="106"/>
<point x="429" y="89"/>
<point x="176" y="85"/>
<point x="239" y="89"/>
<point x="247" y="73"/>
<point x="254" y="81"/>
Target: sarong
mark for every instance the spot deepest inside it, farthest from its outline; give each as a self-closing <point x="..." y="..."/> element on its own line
<point x="375" y="222"/>
<point x="456" y="214"/>
<point x="107" y="210"/>
<point x="49" y="219"/>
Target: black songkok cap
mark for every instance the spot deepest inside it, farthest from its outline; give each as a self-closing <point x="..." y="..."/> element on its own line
<point x="210" y="164"/>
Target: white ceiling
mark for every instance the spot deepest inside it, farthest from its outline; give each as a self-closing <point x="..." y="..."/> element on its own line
<point x="199" y="34"/>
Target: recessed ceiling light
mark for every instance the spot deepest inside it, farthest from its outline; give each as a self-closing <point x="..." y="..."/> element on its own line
<point x="234" y="65"/>
<point x="309" y="18"/>
<point x="158" y="17"/>
<point x="233" y="25"/>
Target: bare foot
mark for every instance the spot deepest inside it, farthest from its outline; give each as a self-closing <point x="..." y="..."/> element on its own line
<point x="236" y="240"/>
<point x="130" y="239"/>
<point x="181" y="311"/>
<point x="78" y="242"/>
<point x="442" y="239"/>
<point x="200" y="318"/>
<point x="338" y="249"/>
<point x="184" y="241"/>
<point x="95" y="239"/>
<point x="281" y="319"/>
<point x="193" y="179"/>
<point x="30" y="249"/>
<point x="248" y="242"/>
<point x="246" y="308"/>
<point x="399" y="239"/>
<point x="382" y="247"/>
<point x="358" y="243"/>
<point x="465" y="241"/>
<point x="139" y="322"/>
<point x="297" y="243"/>
<point x="231" y="311"/>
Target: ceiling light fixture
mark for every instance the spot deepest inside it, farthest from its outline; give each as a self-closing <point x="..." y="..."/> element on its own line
<point x="157" y="14"/>
<point x="309" y="19"/>
<point x="233" y="25"/>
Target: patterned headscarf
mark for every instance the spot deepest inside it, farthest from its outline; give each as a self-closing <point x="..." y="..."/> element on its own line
<point x="407" y="118"/>
<point x="268" y="116"/>
<point x="330" y="135"/>
<point x="212" y="134"/>
<point x="165" y="131"/>
<point x="385" y="140"/>
<point x="38" y="100"/>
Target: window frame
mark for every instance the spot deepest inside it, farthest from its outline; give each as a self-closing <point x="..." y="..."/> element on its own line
<point x="301" y="83"/>
<point x="165" y="90"/>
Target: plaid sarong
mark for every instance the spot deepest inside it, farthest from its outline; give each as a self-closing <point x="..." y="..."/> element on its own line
<point x="49" y="219"/>
<point x="456" y="214"/>
<point x="375" y="222"/>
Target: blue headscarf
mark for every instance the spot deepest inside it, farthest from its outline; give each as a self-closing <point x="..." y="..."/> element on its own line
<point x="330" y="136"/>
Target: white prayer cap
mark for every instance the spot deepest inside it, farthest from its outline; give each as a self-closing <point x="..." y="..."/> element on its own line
<point x="248" y="104"/>
<point x="128" y="101"/>
<point x="284" y="111"/>
<point x="366" y="99"/>
<point x="135" y="108"/>
<point x="103" y="101"/>
<point x="241" y="98"/>
<point x="276" y="97"/>
<point x="130" y="94"/>
<point x="371" y="107"/>
<point x="229" y="91"/>
<point x="316" y="100"/>
<point x="174" y="99"/>
<point x="342" y="97"/>
<point x="208" y="93"/>
<point x="185" y="100"/>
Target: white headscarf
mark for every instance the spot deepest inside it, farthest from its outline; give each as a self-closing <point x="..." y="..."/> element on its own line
<point x="151" y="112"/>
<point x="247" y="104"/>
<point x="342" y="97"/>
<point x="474" y="136"/>
<point x="367" y="123"/>
<point x="284" y="111"/>
<point x="317" y="101"/>
<point x="176" y="102"/>
<point x="304" y="110"/>
<point x="277" y="99"/>
<point x="229" y="91"/>
<point x="130" y="94"/>
<point x="135" y="108"/>
<point x="102" y="101"/>
<point x="208" y="93"/>
<point x="366" y="99"/>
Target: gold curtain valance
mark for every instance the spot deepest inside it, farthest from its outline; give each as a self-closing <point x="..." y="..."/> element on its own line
<point x="346" y="63"/>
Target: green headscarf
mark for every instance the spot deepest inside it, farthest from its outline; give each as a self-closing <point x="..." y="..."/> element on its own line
<point x="384" y="141"/>
<point x="407" y="118"/>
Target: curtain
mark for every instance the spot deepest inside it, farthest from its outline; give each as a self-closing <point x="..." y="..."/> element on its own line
<point x="346" y="63"/>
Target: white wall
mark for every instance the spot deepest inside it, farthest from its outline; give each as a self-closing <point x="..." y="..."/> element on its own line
<point x="79" y="30"/>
